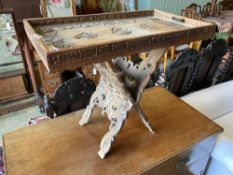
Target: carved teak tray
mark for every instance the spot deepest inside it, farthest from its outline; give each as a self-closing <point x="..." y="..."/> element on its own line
<point x="79" y="40"/>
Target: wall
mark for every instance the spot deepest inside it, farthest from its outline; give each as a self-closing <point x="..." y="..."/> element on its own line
<point x="144" y="4"/>
<point x="174" y="6"/>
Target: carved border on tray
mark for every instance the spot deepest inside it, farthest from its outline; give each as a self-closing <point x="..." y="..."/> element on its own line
<point x="89" y="18"/>
<point x="109" y="51"/>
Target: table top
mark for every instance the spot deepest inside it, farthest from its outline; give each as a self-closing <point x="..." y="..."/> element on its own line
<point x="61" y="146"/>
<point x="224" y="21"/>
<point x="94" y="38"/>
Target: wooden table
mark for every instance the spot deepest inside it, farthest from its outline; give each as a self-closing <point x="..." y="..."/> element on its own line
<point x="182" y="144"/>
<point x="66" y="44"/>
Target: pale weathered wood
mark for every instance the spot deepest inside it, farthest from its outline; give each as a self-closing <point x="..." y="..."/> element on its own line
<point x="118" y="92"/>
<point x="61" y="146"/>
<point x="114" y="101"/>
<point x="63" y="43"/>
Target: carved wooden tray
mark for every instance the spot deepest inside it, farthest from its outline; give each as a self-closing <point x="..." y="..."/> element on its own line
<point x="79" y="40"/>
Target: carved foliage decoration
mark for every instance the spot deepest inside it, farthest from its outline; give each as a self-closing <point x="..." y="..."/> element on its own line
<point x="114" y="100"/>
<point x="136" y="77"/>
<point x="114" y="96"/>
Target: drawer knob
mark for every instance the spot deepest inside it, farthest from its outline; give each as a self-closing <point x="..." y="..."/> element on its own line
<point x="182" y="163"/>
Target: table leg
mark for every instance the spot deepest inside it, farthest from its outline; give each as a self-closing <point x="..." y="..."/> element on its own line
<point x="114" y="128"/>
<point x="144" y="118"/>
<point x="116" y="98"/>
<point x="31" y="69"/>
<point x="87" y="114"/>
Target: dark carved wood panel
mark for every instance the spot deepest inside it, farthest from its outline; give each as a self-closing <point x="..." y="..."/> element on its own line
<point x="180" y="74"/>
<point x="72" y="95"/>
<point x="210" y="58"/>
<point x="225" y="69"/>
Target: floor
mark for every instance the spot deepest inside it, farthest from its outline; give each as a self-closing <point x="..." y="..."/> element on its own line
<point x="16" y="120"/>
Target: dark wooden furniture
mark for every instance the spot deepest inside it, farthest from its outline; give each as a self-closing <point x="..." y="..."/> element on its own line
<point x="180" y="74"/>
<point x="194" y="70"/>
<point x="90" y="6"/>
<point x="31" y="9"/>
<point x="225" y="69"/>
<point x="12" y="67"/>
<point x="207" y="9"/>
<point x="209" y="60"/>
<point x="227" y="4"/>
<point x="182" y="144"/>
<point x="24" y="8"/>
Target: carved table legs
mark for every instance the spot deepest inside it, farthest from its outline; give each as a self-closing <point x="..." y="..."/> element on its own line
<point x="109" y="88"/>
<point x="143" y="118"/>
<point x="116" y="97"/>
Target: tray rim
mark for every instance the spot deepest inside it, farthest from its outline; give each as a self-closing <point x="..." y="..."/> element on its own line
<point x="202" y="30"/>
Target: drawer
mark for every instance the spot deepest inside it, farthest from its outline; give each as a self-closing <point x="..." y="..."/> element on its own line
<point x="180" y="165"/>
<point x="192" y="161"/>
<point x="198" y="167"/>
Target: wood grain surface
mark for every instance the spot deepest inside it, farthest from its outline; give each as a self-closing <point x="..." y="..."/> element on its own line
<point x="61" y="146"/>
<point x="11" y="88"/>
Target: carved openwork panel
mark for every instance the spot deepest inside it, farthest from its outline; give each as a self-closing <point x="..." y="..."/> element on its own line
<point x="136" y="77"/>
<point x="115" y="100"/>
<point x="180" y="75"/>
<point x="207" y="66"/>
<point x="72" y="95"/>
<point x="225" y="69"/>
